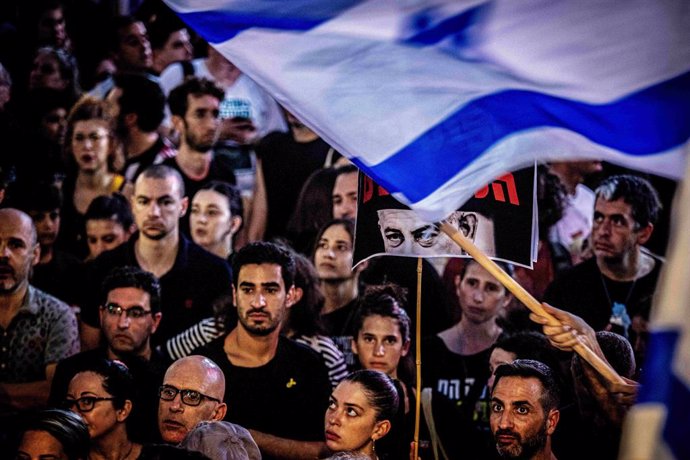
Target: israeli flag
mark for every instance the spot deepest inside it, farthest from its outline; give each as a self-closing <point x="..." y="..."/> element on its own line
<point x="657" y="427"/>
<point x="434" y="99"/>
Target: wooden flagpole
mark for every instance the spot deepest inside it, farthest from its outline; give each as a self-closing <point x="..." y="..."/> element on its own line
<point x="418" y="359"/>
<point x="526" y="298"/>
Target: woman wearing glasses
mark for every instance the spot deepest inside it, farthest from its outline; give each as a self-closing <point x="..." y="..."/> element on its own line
<point x="103" y="396"/>
<point x="93" y="154"/>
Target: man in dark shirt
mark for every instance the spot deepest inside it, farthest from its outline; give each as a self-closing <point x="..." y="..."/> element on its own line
<point x="191" y="278"/>
<point x="276" y="388"/>
<point x="130" y="311"/>
<point x="614" y="289"/>
<point x="195" y="115"/>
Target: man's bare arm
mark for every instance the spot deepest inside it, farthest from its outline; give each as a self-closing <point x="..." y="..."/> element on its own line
<point x="31" y="395"/>
<point x="289" y="449"/>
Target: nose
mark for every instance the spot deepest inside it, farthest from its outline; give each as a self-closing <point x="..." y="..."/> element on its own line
<point x="505" y="420"/>
<point x="259" y="300"/>
<point x="334" y="418"/>
<point x="154" y="209"/>
<point x="176" y="404"/>
<point x="378" y="349"/>
<point x="478" y="295"/>
<point x="123" y="321"/>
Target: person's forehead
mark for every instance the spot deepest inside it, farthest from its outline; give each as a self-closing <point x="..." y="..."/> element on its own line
<point x="381" y="324"/>
<point x="211" y="197"/>
<point x="202" y="101"/>
<point x="346" y="183"/>
<point x="90" y="125"/>
<point x="260" y="273"/>
<point x="618" y="206"/>
<point x="178" y="35"/>
<point x="154" y="187"/>
<point x="403" y="218"/>
<point x="103" y="226"/>
<point x="188" y="375"/>
<point x="14" y="226"/>
<point x="129" y="294"/>
<point x="136" y="29"/>
<point x="512" y="388"/>
<point x="336" y="233"/>
<point x="351" y="393"/>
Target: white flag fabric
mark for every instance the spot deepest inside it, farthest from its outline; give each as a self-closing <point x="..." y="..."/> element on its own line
<point x="434" y="99"/>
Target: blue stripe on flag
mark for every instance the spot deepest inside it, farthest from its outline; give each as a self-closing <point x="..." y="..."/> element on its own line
<point x="661" y="385"/>
<point x="676" y="429"/>
<point x="455" y="26"/>
<point x="650" y="121"/>
<point x="217" y="26"/>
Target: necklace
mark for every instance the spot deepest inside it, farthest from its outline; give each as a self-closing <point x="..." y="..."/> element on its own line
<point x="619" y="311"/>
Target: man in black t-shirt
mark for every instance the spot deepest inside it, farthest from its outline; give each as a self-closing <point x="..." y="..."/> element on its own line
<point x="192" y="279"/>
<point x="276" y="388"/>
<point x="613" y="290"/>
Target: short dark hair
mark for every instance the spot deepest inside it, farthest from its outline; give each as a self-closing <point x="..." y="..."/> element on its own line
<point x="128" y="276"/>
<point x="65" y="426"/>
<point x="262" y="252"/>
<point x="40" y="196"/>
<point x="143" y="97"/>
<point x="380" y="391"/>
<point x="110" y="207"/>
<point x="527" y="368"/>
<point x="384" y="300"/>
<point x="162" y="172"/>
<point x="194" y="86"/>
<point x="635" y="191"/>
<point x="528" y="345"/>
<point x="117" y="380"/>
<point x="161" y="26"/>
<point x="115" y="29"/>
<point x="618" y="351"/>
<point x="231" y="192"/>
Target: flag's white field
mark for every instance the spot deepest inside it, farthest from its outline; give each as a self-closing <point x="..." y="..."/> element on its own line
<point x="434" y="99"/>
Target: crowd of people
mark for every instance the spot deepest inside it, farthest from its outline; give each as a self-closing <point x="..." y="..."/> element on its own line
<point x="176" y="276"/>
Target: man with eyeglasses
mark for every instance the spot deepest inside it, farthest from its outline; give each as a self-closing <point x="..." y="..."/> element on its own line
<point x="193" y="390"/>
<point x="129" y="313"/>
<point x="613" y="290"/>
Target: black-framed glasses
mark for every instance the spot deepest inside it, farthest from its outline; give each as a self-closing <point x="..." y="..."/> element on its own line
<point x="85" y="403"/>
<point x="134" y="312"/>
<point x="188" y="397"/>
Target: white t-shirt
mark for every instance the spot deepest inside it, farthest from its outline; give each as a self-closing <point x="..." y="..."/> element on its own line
<point x="244" y="98"/>
<point x="576" y="224"/>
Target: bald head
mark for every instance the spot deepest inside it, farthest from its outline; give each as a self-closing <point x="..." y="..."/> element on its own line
<point x="19" y="252"/>
<point x="209" y="376"/>
<point x="22" y="221"/>
<point x="198" y="385"/>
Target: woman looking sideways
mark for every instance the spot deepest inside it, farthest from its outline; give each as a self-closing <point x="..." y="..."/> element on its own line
<point x="216" y="216"/>
<point x="103" y="396"/>
<point x="360" y="412"/>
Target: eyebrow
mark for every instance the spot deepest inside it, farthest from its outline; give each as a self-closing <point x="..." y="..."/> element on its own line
<point x="267" y="284"/>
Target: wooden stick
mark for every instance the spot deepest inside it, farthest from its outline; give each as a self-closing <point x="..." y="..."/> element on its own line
<point x="418" y="360"/>
<point x="526" y="298"/>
